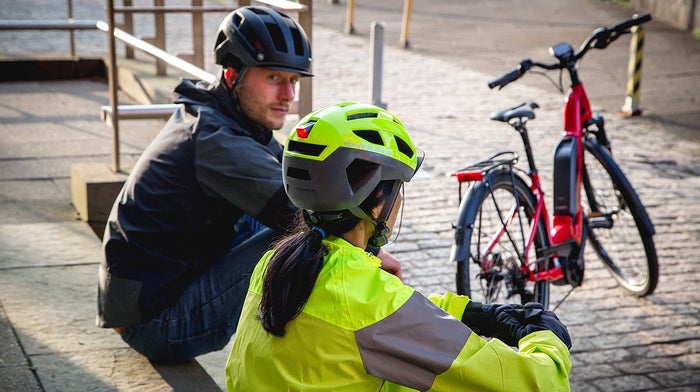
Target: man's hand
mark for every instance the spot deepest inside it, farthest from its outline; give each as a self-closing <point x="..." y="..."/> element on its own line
<point x="390" y="263"/>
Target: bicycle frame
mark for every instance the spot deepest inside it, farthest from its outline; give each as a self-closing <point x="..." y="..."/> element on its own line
<point x="565" y="228"/>
<point x="577" y="111"/>
<point x="562" y="229"/>
<point x="561" y="236"/>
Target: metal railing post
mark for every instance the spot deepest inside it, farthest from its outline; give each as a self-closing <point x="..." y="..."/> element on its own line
<point x="197" y="34"/>
<point x="306" y="84"/>
<point x="71" y="32"/>
<point x="113" y="87"/>
<point x="376" y="42"/>
<point x="128" y="26"/>
<point x="159" y="39"/>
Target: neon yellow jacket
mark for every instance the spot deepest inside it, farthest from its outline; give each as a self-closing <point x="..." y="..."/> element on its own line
<point x="362" y="329"/>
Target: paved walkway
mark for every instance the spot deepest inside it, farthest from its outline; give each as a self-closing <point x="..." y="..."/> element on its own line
<point x="48" y="258"/>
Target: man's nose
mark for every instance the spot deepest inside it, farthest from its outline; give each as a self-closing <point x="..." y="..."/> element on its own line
<point x="287" y="90"/>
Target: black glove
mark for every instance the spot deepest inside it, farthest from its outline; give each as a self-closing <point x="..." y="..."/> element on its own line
<point x="522" y="321"/>
<point x="481" y="318"/>
<point x="511" y="322"/>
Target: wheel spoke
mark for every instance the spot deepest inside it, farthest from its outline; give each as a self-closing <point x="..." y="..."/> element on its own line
<point x="501" y="225"/>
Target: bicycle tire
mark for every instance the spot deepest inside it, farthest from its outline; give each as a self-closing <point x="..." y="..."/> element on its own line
<point x="618" y="226"/>
<point x="479" y="219"/>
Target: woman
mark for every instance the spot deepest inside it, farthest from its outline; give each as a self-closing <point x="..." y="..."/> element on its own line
<point x="320" y="314"/>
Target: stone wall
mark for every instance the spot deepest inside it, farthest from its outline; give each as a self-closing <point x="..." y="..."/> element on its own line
<point x="682" y="14"/>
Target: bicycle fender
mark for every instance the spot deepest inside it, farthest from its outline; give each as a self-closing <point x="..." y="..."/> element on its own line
<point x="460" y="252"/>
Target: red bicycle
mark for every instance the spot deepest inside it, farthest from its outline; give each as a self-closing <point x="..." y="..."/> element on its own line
<point x="503" y="227"/>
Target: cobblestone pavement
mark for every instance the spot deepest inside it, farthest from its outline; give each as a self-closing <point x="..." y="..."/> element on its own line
<point x="621" y="343"/>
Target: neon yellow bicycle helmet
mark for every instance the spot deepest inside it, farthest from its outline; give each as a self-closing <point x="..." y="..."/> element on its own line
<point x="326" y="146"/>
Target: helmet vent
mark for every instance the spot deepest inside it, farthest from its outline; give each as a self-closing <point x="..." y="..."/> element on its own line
<point x="358" y="116"/>
<point x="277" y="37"/>
<point x="404" y="147"/>
<point x="359" y="172"/>
<point x="259" y="11"/>
<point x="298" y="46"/>
<point x="219" y="39"/>
<point x="305" y="148"/>
<point x="371" y="136"/>
<point x="252" y="38"/>
<point x="297" y="173"/>
<point x="237" y="19"/>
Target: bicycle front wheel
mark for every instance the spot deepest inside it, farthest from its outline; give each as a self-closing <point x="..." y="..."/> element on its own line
<point x="619" y="228"/>
<point x="496" y="219"/>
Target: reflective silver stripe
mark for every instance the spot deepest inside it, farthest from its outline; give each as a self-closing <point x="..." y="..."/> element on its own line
<point x="412" y="345"/>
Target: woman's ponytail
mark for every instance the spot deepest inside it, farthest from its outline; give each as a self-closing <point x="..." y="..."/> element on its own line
<point x="290" y="277"/>
<point x="298" y="258"/>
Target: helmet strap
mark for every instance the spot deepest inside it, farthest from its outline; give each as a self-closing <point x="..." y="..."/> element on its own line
<point x="239" y="77"/>
<point x="233" y="77"/>
<point x="378" y="238"/>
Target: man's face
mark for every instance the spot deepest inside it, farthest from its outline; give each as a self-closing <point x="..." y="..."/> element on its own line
<point x="266" y="95"/>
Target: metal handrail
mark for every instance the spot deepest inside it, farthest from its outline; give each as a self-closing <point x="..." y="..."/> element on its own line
<point x="115" y="111"/>
<point x="140" y="112"/>
<point x="170" y="9"/>
<point x="281" y="5"/>
<point x="21" y="24"/>
<point x="155" y="51"/>
<point x="118" y="33"/>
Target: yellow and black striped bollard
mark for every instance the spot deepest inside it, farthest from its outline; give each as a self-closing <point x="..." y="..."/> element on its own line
<point x="634" y="73"/>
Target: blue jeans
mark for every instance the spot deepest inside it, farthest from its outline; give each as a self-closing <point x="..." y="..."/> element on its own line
<point x="206" y="316"/>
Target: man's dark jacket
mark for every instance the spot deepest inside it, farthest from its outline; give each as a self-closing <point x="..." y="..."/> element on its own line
<point x="176" y="213"/>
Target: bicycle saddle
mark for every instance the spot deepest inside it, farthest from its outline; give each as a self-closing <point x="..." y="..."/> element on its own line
<point x="525" y="109"/>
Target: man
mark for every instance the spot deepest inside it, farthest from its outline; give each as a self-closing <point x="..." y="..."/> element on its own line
<point x="172" y="282"/>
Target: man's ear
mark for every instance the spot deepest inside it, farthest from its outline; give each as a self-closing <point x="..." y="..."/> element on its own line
<point x="230" y="76"/>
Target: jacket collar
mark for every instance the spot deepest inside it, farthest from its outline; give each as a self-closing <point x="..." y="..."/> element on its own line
<point x="201" y="98"/>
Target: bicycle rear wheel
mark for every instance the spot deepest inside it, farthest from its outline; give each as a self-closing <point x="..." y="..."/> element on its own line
<point x="495" y="250"/>
<point x="619" y="228"/>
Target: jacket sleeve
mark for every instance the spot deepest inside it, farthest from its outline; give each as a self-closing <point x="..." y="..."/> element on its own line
<point x="245" y="173"/>
<point x="420" y="346"/>
<point x="451" y="303"/>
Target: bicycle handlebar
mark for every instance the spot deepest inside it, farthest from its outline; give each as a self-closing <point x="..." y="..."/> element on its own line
<point x="603" y="36"/>
<point x="599" y="39"/>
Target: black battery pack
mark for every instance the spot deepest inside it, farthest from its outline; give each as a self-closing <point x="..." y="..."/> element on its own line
<point x="566" y="196"/>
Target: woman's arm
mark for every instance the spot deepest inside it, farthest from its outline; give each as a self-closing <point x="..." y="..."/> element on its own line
<point x="420" y="346"/>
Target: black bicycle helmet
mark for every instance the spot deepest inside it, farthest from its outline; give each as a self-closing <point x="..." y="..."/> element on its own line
<point x="259" y="36"/>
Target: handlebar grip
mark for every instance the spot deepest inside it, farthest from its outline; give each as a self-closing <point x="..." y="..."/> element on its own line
<point x="603" y="36"/>
<point x="513" y="75"/>
<point x="622" y="27"/>
<point x="505" y="79"/>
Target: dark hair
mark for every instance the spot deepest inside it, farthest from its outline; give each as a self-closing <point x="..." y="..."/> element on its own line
<point x="297" y="260"/>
